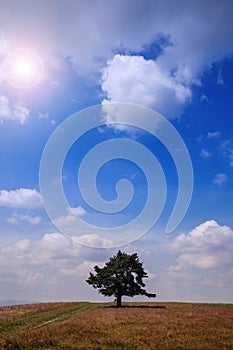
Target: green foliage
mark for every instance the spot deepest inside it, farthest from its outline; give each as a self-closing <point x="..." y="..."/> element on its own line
<point x="122" y="275"/>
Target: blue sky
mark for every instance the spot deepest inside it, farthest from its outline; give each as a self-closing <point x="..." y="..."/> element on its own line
<point x="176" y="59"/>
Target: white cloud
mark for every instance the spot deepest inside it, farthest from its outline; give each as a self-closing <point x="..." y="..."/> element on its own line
<point x="206" y="235"/>
<point x="136" y="80"/>
<point x="65" y="221"/>
<point x="151" y="275"/>
<point x="93" y="240"/>
<point x="226" y="147"/>
<point x="43" y="115"/>
<point x="58" y="180"/>
<point x="69" y="223"/>
<point x="20" y="198"/>
<point x="207" y="246"/>
<point x="16" y="218"/>
<point x="18" y="112"/>
<point x="46" y="116"/>
<point x="12" y="220"/>
<point x="205" y="258"/>
<point x="205" y="154"/>
<point x="213" y="135"/>
<point x="80" y="270"/>
<point x="199" y="33"/>
<point x="220" y="179"/>
<point x="28" y="278"/>
<point x="190" y="261"/>
<point x="77" y="211"/>
<point x="53" y="250"/>
<point x="194" y="36"/>
<point x="43" y="269"/>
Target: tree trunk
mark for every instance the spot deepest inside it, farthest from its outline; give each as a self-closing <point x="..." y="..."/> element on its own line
<point x="118" y="300"/>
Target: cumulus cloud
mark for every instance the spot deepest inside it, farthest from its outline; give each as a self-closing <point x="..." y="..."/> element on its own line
<point x="69" y="221"/>
<point x="205" y="253"/>
<point x="65" y="221"/>
<point x="93" y="240"/>
<point x="18" y="112"/>
<point x="80" y="270"/>
<point x="194" y="36"/>
<point x="20" y="198"/>
<point x="55" y="250"/>
<point x="220" y="179"/>
<point x="206" y="235"/>
<point x="136" y="80"/>
<point x="79" y="233"/>
<point x="52" y="267"/>
<point x="17" y="218"/>
<point x="70" y="224"/>
<point x="43" y="268"/>
<point x="79" y="211"/>
<point x="165" y="82"/>
<point x="29" y="278"/>
<point x="199" y="33"/>
<point x="198" y="264"/>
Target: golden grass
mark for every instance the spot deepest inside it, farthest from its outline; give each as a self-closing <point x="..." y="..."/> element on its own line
<point x="141" y="326"/>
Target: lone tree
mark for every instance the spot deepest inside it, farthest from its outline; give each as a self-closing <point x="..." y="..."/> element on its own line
<point x="121" y="275"/>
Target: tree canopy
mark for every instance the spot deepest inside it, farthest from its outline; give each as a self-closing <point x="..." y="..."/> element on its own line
<point x="121" y="276"/>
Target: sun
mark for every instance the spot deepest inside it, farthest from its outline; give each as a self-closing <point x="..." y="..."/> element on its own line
<point x="23" y="68"/>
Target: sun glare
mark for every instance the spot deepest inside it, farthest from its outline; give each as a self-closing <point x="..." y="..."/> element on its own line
<point x="23" y="68"/>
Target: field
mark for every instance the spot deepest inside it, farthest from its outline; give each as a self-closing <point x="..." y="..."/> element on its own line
<point x="141" y="326"/>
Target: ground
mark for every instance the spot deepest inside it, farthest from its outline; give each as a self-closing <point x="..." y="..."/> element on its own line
<point x="141" y="326"/>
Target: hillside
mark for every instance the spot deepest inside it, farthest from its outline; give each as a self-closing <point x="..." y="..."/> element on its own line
<point x="102" y="326"/>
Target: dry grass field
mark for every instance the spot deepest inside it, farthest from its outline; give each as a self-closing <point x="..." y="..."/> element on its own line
<point x="141" y="326"/>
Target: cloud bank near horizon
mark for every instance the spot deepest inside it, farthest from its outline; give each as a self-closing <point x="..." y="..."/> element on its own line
<point x="54" y="262"/>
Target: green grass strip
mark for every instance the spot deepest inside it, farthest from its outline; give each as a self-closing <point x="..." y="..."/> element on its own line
<point x="44" y="318"/>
